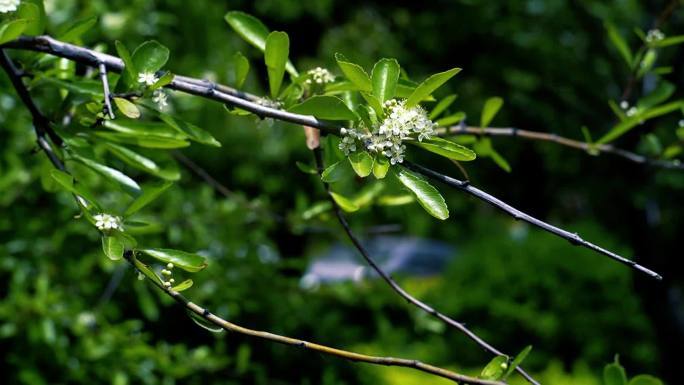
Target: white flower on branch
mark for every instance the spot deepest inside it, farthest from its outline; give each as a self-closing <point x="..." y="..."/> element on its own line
<point x="631" y="111"/>
<point x="160" y="98"/>
<point x="9" y="5"/>
<point x="106" y="222"/>
<point x="654" y="35"/>
<point x="146" y="78"/>
<point x="319" y="75"/>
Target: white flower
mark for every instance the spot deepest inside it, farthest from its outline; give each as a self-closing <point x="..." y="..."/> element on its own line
<point x="681" y="123"/>
<point x="624" y="105"/>
<point x="146" y="78"/>
<point x="266" y="102"/>
<point x="105" y="222"/>
<point x="319" y="75"/>
<point x="632" y="111"/>
<point x="160" y="97"/>
<point x="654" y="35"/>
<point x="9" y="5"/>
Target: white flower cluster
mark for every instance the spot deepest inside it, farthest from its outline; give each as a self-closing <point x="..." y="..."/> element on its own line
<point x="319" y="75"/>
<point x="167" y="273"/>
<point x="8" y="5"/>
<point x="400" y="123"/>
<point x="629" y="111"/>
<point x="266" y="102"/>
<point x="159" y="96"/>
<point x="106" y="222"/>
<point x="654" y="35"/>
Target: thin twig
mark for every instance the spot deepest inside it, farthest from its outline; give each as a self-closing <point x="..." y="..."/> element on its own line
<point x="105" y="88"/>
<point x="548" y="137"/>
<point x="396" y="287"/>
<point x="225" y="94"/>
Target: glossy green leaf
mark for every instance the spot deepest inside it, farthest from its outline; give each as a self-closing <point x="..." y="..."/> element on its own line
<point x="429" y="85"/>
<point x="619" y="43"/>
<point x="164" y="80"/>
<point x="645" y="379"/>
<point x="127" y="108"/>
<point x="374" y="103"/>
<point x="113" y="175"/>
<point x="451" y="119"/>
<point x="380" y="166"/>
<point x="495" y="369"/>
<point x="112" y="246"/>
<point x="12" y="30"/>
<point x="66" y="181"/>
<point x="141" y="162"/>
<point x="30" y="11"/>
<point x="240" y="69"/>
<point x="500" y="160"/>
<point x="660" y="94"/>
<point x="149" y="273"/>
<point x="183" y="285"/>
<point x="305" y="168"/>
<point x="74" y="30"/>
<point x="186" y="261"/>
<point x="384" y="78"/>
<point x="190" y="130"/>
<point x="148" y="195"/>
<point x="668" y="41"/>
<point x="83" y="86"/>
<point x="150" y="56"/>
<point x="633" y="121"/>
<point x="253" y="31"/>
<point x="428" y="196"/>
<point x="345" y="203"/>
<point x="491" y="107"/>
<point x="446" y="148"/>
<point x="324" y="107"/>
<point x="442" y="105"/>
<point x="146" y="140"/>
<point x="203" y="323"/>
<point x="355" y="73"/>
<point x="517" y="361"/>
<point x="614" y="374"/>
<point x="335" y="172"/>
<point x="396" y="200"/>
<point x="362" y="163"/>
<point x="275" y="56"/>
<point x="316" y="209"/>
<point x="130" y="73"/>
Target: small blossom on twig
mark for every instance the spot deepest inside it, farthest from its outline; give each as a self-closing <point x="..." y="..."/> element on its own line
<point x="9" y="5"/>
<point x="654" y="35"/>
<point x="160" y="98"/>
<point x="146" y="78"/>
<point x="105" y="222"/>
<point x="319" y="75"/>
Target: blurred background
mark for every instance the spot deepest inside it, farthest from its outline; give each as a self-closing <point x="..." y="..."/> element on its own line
<point x="69" y="315"/>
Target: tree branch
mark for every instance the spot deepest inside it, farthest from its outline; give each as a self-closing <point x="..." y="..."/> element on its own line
<point x="395" y="286"/>
<point x="105" y="89"/>
<point x="548" y="137"/>
<point x="247" y="102"/>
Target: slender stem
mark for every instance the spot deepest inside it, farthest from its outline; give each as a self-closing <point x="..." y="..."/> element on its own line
<point x="105" y="88"/>
<point x="352" y="356"/>
<point x="396" y="287"/>
<point x="548" y="137"/>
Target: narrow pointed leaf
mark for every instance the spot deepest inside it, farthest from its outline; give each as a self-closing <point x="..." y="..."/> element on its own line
<point x="446" y="148"/>
<point x="345" y="203"/>
<point x="203" y="323"/>
<point x="355" y="73"/>
<point x="240" y="69"/>
<point x="130" y="73"/>
<point x="149" y="273"/>
<point x="183" y="285"/>
<point x="442" y="105"/>
<point x="149" y="194"/>
<point x="362" y="163"/>
<point x="384" y="78"/>
<point x="112" y="174"/>
<point x="275" y="56"/>
<point x="491" y="107"/>
<point x="428" y="196"/>
<point x="429" y="85"/>
<point x="186" y="261"/>
<point x="517" y="361"/>
<point x="67" y="182"/>
<point x="193" y="132"/>
<point x="74" y="30"/>
<point x="127" y="108"/>
<point x="324" y="107"/>
<point x="619" y="43"/>
<point x="141" y="162"/>
<point x="495" y="368"/>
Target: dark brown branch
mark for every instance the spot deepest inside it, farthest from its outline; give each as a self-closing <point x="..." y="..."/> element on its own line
<point x="247" y="102"/>
<point x="548" y="137"/>
<point x="395" y="286"/>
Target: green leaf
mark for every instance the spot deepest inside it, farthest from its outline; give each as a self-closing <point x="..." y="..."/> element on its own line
<point x="631" y="122"/>
<point x="34" y="12"/>
<point x="517" y="361"/>
<point x="451" y="119"/>
<point x="316" y="209"/>
<point x="183" y="285"/>
<point x="324" y="107"/>
<point x="240" y="69"/>
<point x="67" y="182"/>
<point x="144" y="140"/>
<point x="83" y="86"/>
<point x="345" y="203"/>
<point x="362" y="163"/>
<point x="150" y="56"/>
<point x="429" y="85"/>
<point x="253" y="31"/>
<point x="114" y="175"/>
<point x="186" y="261"/>
<point x="335" y="172"/>
<point x="446" y="148"/>
<point x="660" y="94"/>
<point x="193" y="132"/>
<point x="614" y="374"/>
<point x="491" y="107"/>
<point x="384" y="78"/>
<point x="142" y="163"/>
<point x="74" y="30"/>
<point x="306" y="168"/>
<point x="143" y="268"/>
<point x="374" y="103"/>
<point x="645" y="379"/>
<point x="127" y="108"/>
<point x="113" y="246"/>
<point x="442" y="105"/>
<point x="500" y="160"/>
<point x="149" y="194"/>
<point x="380" y="166"/>
<point x="203" y="323"/>
<point x="396" y="200"/>
<point x="275" y="56"/>
<point x="12" y="30"/>
<point x="428" y="196"/>
<point x="354" y="73"/>
<point x="495" y="368"/>
<point x="164" y="80"/>
<point x="668" y="41"/>
<point x="130" y="72"/>
<point x="619" y="42"/>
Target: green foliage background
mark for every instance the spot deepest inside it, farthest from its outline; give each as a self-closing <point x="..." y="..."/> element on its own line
<point x="69" y="315"/>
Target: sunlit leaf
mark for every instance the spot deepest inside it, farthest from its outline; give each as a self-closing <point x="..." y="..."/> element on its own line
<point x="491" y="107"/>
<point x="354" y="73"/>
<point x="324" y="107"/>
<point x="345" y="203"/>
<point x="495" y="369"/>
<point x="150" y="56"/>
<point x="429" y="85"/>
<point x="362" y="163"/>
<point x="149" y="194"/>
<point x="275" y="56"/>
<point x="186" y="261"/>
<point x="428" y="196"/>
<point x="112" y="174"/>
<point x="112" y="246"/>
<point x="183" y="285"/>
<point x="384" y="78"/>
<point x="446" y="148"/>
